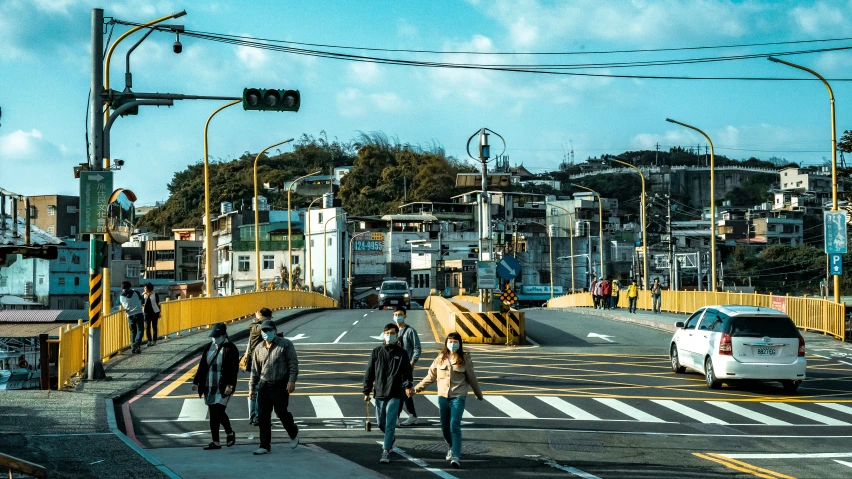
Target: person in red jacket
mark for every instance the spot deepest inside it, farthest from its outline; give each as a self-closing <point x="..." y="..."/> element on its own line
<point x="606" y="293"/>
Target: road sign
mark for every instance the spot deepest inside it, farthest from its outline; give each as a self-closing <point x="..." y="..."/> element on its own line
<point x="835" y="264"/>
<point x="835" y="232"/>
<point x="508" y="267"/>
<point x="486" y="275"/>
<point x="95" y="190"/>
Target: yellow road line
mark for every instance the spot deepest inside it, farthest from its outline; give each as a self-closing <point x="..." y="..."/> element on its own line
<point x="742" y="466"/>
<point x="177" y="383"/>
<point x="745" y="464"/>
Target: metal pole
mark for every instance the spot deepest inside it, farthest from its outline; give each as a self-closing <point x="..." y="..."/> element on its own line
<point x="208" y="234"/>
<point x="484" y="212"/>
<point x="833" y="154"/>
<point x="290" y="226"/>
<point x="712" y="204"/>
<point x="552" y="271"/>
<point x="257" y="215"/>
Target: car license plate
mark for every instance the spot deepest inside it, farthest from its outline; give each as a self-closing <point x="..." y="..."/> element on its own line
<point x="393" y="301"/>
<point x="766" y="351"/>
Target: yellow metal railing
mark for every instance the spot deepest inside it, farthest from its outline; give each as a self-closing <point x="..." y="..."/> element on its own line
<point x="177" y="317"/>
<point x="810" y="314"/>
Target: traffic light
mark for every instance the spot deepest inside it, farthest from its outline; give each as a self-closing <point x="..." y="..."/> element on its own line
<point x="98" y="253"/>
<point x="271" y="100"/>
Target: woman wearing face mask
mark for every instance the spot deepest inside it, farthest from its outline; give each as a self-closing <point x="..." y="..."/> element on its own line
<point x="453" y="370"/>
<point x="216" y="380"/>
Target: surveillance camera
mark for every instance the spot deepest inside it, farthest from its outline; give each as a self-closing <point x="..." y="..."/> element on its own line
<point x="177" y="47"/>
<point x="119" y="163"/>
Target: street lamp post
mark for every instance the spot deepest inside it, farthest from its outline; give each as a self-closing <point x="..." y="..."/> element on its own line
<point x="600" y="224"/>
<point x="310" y="255"/>
<point x="290" y="229"/>
<point x="257" y="215"/>
<point x="644" y="224"/>
<point x="833" y="153"/>
<point x="571" y="232"/>
<point x="325" y="253"/>
<point x="351" y="241"/>
<point x="712" y="206"/>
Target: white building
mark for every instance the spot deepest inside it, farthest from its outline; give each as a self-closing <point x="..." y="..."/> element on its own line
<point x="325" y="231"/>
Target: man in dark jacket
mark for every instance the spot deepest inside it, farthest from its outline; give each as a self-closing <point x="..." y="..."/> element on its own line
<point x="410" y="342"/>
<point x="255" y="338"/>
<point x="131" y="301"/>
<point x="151" y="308"/>
<point x="389" y="378"/>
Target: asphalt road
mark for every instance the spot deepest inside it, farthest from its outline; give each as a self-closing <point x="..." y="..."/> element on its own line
<point x="593" y="398"/>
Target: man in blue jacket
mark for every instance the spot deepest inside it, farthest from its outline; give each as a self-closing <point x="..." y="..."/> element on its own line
<point x="389" y="378"/>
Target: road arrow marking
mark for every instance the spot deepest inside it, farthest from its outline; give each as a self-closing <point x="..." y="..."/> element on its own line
<point x="380" y="338"/>
<point x="298" y="337"/>
<point x="95" y="177"/>
<point x="601" y="336"/>
<point x="847" y="464"/>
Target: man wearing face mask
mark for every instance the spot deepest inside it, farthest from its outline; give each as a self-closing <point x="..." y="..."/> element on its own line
<point x="274" y="369"/>
<point x="389" y="378"/>
<point x="410" y="342"/>
<point x="216" y="380"/>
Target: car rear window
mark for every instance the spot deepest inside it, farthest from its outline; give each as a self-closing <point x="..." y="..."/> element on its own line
<point x="394" y="286"/>
<point x="760" y="326"/>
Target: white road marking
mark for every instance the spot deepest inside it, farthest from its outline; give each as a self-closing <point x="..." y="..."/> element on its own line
<point x="339" y="337"/>
<point x="571" y="470"/>
<point x="629" y="410"/>
<point x="813" y="455"/>
<point x="844" y="362"/>
<point x="601" y="336"/>
<point x="807" y="414"/>
<point x="365" y="315"/>
<point x="298" y="337"/>
<point x="433" y="398"/>
<point x="532" y="341"/>
<point x="567" y="408"/>
<point x="193" y="410"/>
<point x="422" y="463"/>
<point x="509" y="408"/>
<point x="689" y="412"/>
<point x="837" y="407"/>
<point x="356" y="322"/>
<point x="847" y="464"/>
<point x="326" y="407"/>
<point x="755" y="416"/>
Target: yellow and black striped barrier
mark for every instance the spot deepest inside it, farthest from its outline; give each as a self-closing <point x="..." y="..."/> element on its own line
<point x="95" y="294"/>
<point x="491" y="328"/>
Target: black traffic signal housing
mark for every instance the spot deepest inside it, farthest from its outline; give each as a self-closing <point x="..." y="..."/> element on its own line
<point x="271" y="100"/>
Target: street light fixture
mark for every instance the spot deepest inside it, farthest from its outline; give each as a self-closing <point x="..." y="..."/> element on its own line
<point x="600" y="225"/>
<point x="833" y="153"/>
<point x="644" y="224"/>
<point x="571" y="232"/>
<point x="712" y="204"/>
<point x="289" y="228"/>
<point x="257" y="215"/>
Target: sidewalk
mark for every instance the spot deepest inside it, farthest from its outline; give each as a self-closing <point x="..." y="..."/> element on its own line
<point x="73" y="433"/>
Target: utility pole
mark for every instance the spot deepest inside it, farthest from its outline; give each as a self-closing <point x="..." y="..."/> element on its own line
<point x="657" y="156"/>
<point x="671" y="246"/>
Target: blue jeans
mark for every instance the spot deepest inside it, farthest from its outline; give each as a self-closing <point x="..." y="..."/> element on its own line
<point x="451" y="410"/>
<point x="137" y="329"/>
<point x="253" y="410"/>
<point x="387" y="413"/>
<point x="657" y="302"/>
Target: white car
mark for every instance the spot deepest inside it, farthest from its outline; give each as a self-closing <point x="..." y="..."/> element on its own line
<point x="728" y="343"/>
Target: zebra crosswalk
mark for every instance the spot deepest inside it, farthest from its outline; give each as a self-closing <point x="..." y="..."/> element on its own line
<point x="499" y="408"/>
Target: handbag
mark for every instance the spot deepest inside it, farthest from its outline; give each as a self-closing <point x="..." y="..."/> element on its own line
<point x="244" y="363"/>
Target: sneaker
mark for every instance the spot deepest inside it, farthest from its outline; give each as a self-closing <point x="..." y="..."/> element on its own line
<point x="261" y="451"/>
<point x="412" y="420"/>
<point x="154" y="342"/>
<point x="212" y="446"/>
<point x="449" y="454"/>
<point x="294" y="443"/>
<point x="385" y="457"/>
<point x="455" y="463"/>
<point x="149" y="344"/>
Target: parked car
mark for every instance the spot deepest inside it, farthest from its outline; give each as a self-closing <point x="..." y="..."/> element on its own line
<point x="729" y="343"/>
<point x="394" y="293"/>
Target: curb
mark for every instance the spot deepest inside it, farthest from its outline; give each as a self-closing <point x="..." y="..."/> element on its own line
<point x="113" y="427"/>
<point x="649" y="323"/>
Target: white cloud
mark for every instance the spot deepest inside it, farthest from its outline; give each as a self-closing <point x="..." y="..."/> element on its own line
<point x="406" y="29"/>
<point x="819" y="19"/>
<point x="54" y="6"/>
<point x="648" y="141"/>
<point x="363" y="72"/>
<point x="354" y="102"/>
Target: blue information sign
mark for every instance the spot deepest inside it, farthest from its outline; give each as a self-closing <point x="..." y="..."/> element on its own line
<point x="835" y="264"/>
<point x="835" y="232"/>
<point x="508" y="268"/>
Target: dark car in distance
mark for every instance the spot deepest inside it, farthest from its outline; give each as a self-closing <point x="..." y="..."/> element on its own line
<point x="394" y="293"/>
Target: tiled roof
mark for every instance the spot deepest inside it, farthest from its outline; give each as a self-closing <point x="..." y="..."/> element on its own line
<point x="38" y="236"/>
<point x="28" y="330"/>
<point x="10" y="316"/>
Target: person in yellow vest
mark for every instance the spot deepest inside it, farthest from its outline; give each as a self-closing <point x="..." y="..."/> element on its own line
<point x="614" y="298"/>
<point x="632" y="296"/>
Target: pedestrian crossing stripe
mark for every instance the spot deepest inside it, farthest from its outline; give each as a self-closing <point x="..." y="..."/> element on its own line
<point x="537" y="408"/>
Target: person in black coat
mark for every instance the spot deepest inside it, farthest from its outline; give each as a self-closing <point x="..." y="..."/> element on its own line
<point x="216" y="381"/>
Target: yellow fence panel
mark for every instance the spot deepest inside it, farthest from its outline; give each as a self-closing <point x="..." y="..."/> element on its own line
<point x="73" y="342"/>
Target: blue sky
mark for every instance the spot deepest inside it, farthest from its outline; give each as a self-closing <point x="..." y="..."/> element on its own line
<point x="45" y="61"/>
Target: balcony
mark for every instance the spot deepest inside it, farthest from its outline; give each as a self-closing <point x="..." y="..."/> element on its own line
<point x="266" y="245"/>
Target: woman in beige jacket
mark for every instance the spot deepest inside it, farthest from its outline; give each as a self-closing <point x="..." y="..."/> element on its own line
<point x="453" y="370"/>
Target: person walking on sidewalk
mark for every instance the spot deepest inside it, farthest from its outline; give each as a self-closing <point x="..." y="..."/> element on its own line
<point x="656" y="294"/>
<point x="216" y="380"/>
<point x="613" y="304"/>
<point x="274" y="370"/>
<point x="389" y="378"/>
<point x="410" y="342"/>
<point x="606" y="293"/>
<point x="632" y="296"/>
<point x="453" y="369"/>
<point x="131" y="301"/>
<point x="594" y="290"/>
<point x="255" y="338"/>
<point x="151" y="309"/>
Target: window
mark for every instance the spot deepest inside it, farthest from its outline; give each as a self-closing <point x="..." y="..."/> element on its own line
<point x="77" y="281"/>
<point x="709" y="320"/>
<point x="544" y="277"/>
<point x="268" y="261"/>
<point x="417" y="280"/>
<point x="3" y="282"/>
<point x="73" y="231"/>
<point x="75" y="259"/>
<point x="329" y="271"/>
<point x="426" y="278"/>
<point x="63" y="259"/>
<point x="165" y="255"/>
<point x="132" y="271"/>
<point x="243" y="263"/>
<point x="51" y="210"/>
<point x="693" y="320"/>
<point x="60" y="304"/>
<point x="295" y="260"/>
<point x="41" y="280"/>
<point x="319" y="215"/>
<point x="329" y="241"/>
<point x="50" y="229"/>
<point x="312" y="242"/>
<point x="61" y="281"/>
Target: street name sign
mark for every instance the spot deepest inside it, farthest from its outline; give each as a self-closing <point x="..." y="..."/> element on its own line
<point x="508" y="268"/>
<point x="486" y="275"/>
<point x="835" y="232"/>
<point x="95" y="190"/>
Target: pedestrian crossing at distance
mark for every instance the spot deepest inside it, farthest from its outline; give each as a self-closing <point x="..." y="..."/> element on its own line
<point x="497" y="409"/>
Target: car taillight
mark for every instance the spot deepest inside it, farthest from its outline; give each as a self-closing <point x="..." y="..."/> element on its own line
<point x="726" y="347"/>
<point x="801" y="346"/>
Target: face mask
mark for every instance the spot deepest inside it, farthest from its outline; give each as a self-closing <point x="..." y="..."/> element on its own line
<point x="390" y="338"/>
<point x="219" y="340"/>
<point x="268" y="335"/>
<point x="398" y="318"/>
<point x="453" y="347"/>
